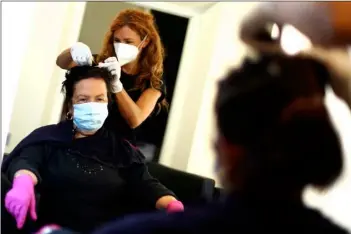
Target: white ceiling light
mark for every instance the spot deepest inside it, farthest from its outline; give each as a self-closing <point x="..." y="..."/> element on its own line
<point x="292" y="41"/>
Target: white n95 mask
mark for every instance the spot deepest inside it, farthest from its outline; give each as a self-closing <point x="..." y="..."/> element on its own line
<point x="126" y="53"/>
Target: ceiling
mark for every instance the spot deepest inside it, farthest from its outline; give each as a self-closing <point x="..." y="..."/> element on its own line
<point x="185" y="9"/>
<point x="193" y="5"/>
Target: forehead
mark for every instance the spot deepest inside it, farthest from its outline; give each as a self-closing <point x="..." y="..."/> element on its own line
<point x="126" y="33"/>
<point x="90" y="86"/>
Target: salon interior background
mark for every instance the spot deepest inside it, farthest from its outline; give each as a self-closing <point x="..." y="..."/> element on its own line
<point x="31" y="81"/>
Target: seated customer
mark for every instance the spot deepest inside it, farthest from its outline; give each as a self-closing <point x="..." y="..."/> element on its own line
<point x="82" y="171"/>
<point x="274" y="138"/>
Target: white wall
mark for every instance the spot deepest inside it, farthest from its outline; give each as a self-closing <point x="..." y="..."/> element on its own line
<point x="53" y="27"/>
<point x="96" y="21"/>
<point x="211" y="47"/>
<point x="15" y="16"/>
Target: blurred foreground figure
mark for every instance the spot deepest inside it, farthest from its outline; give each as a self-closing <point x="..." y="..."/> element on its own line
<point x="274" y="138"/>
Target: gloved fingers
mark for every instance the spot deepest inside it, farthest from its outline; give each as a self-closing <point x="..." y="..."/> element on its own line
<point x="113" y="72"/>
<point x="33" y="213"/>
<point x="10" y="204"/>
<point x="90" y="60"/>
<point x="111" y="60"/>
<point x="111" y="68"/>
<point x="21" y="214"/>
<point x="82" y="60"/>
<point x="101" y="65"/>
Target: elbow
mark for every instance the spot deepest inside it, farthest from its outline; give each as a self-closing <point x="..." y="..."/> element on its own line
<point x="134" y="123"/>
<point x="136" y="120"/>
<point x="59" y="63"/>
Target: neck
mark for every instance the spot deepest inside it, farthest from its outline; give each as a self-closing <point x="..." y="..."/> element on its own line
<point x="131" y="68"/>
<point x="81" y="134"/>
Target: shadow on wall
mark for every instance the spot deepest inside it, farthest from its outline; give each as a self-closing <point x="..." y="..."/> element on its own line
<point x="97" y="19"/>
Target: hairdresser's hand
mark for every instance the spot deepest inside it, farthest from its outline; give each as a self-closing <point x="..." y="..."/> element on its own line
<point x="113" y="66"/>
<point x="21" y="199"/>
<point x="81" y="54"/>
<point x="338" y="62"/>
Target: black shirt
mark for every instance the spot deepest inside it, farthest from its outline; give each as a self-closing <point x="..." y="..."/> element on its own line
<point x="117" y="123"/>
<point x="237" y="215"/>
<point x="83" y="185"/>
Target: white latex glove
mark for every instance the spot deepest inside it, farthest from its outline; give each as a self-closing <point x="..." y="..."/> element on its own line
<point x="81" y="54"/>
<point x="113" y="66"/>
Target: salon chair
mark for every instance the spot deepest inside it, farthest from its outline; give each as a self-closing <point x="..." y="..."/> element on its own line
<point x="190" y="189"/>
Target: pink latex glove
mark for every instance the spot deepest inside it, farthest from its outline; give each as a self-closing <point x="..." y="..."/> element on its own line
<point x="20" y="199"/>
<point x="175" y="206"/>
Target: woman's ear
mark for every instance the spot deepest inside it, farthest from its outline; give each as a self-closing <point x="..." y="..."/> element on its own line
<point x="69" y="114"/>
<point x="145" y="42"/>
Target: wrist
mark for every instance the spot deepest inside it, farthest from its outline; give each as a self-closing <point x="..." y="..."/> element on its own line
<point x="117" y="87"/>
<point x="25" y="174"/>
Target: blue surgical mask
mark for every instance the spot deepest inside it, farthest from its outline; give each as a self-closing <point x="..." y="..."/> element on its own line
<point x="89" y="117"/>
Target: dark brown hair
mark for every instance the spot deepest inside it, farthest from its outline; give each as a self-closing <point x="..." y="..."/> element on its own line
<point x="274" y="109"/>
<point x="78" y="73"/>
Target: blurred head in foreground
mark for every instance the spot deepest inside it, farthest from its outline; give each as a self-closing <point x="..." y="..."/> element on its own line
<point x="274" y="132"/>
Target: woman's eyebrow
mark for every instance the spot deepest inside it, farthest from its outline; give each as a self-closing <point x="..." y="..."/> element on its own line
<point x="124" y="39"/>
<point x="81" y="95"/>
<point x="99" y="95"/>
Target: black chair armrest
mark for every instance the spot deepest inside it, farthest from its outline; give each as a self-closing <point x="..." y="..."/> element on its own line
<point x="189" y="188"/>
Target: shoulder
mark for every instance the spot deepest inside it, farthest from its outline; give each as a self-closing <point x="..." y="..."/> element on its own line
<point x="124" y="150"/>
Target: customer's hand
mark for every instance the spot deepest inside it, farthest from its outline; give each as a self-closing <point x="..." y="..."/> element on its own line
<point x="113" y="66"/>
<point x="175" y="206"/>
<point x="20" y="199"/>
<point x="81" y="54"/>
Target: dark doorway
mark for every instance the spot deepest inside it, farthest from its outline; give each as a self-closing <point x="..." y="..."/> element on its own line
<point x="172" y="30"/>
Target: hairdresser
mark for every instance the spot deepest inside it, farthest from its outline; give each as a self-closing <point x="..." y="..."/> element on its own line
<point x="133" y="52"/>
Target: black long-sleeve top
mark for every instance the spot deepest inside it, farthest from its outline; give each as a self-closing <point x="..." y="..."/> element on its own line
<point x="86" y="183"/>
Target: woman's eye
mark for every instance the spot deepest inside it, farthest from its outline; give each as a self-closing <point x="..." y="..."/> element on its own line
<point x="82" y="100"/>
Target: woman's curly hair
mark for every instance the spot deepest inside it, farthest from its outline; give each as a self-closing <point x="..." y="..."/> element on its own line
<point x="152" y="56"/>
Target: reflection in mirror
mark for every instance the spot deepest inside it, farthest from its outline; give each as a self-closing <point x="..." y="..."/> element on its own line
<point x="149" y="78"/>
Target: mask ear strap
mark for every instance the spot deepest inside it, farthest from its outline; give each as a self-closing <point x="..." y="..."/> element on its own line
<point x="142" y="41"/>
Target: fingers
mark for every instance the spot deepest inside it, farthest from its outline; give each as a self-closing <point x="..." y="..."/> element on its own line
<point x="111" y="60"/>
<point x="21" y="214"/>
<point x="82" y="60"/>
<point x="9" y="203"/>
<point x="33" y="213"/>
<point x="81" y="54"/>
<point x="101" y="65"/>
